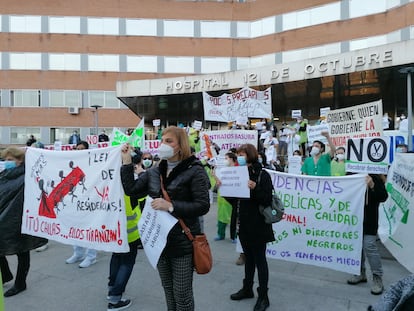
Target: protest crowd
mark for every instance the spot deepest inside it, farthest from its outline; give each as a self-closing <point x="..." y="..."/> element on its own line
<point x="121" y="196"/>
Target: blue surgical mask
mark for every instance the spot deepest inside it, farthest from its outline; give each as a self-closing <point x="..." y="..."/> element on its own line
<point x="241" y="160"/>
<point x="400" y="150"/>
<point x="9" y="165"/>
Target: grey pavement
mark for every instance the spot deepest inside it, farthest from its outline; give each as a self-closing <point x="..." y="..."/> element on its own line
<point x="54" y="285"/>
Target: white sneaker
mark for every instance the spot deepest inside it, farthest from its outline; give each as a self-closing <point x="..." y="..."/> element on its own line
<point x="41" y="248"/>
<point x="74" y="258"/>
<point x="87" y="262"/>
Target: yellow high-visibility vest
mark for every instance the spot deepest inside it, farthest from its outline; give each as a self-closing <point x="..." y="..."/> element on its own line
<point x="133" y="216"/>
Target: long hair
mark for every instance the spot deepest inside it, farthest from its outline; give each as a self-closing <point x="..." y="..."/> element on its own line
<point x="182" y="138"/>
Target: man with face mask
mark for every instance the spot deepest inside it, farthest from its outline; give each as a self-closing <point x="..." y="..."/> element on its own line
<point x="319" y="163"/>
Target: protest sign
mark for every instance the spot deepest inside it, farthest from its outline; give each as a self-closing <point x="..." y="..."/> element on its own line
<point x="359" y="121"/>
<point x="247" y="103"/>
<point x="368" y="155"/>
<point x="314" y="133"/>
<point x="295" y="164"/>
<point x="76" y="197"/>
<point x="323" y="219"/>
<point x="154" y="227"/>
<point x="395" y="219"/>
<point x="136" y="139"/>
<point x="234" y="181"/>
<point x="228" y="139"/>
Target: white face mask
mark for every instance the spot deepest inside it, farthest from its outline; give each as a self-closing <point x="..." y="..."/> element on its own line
<point x="165" y="151"/>
<point x="315" y="151"/>
<point x="340" y="156"/>
<point x="226" y="162"/>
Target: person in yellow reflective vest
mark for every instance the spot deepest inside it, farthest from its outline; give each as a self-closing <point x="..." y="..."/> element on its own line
<point x="121" y="265"/>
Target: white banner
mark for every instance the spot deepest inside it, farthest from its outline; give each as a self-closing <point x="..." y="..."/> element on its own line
<point x="245" y="103"/>
<point x="76" y="197"/>
<point x="322" y="225"/>
<point x="396" y="224"/>
<point x="154" y="227"/>
<point x="359" y="121"/>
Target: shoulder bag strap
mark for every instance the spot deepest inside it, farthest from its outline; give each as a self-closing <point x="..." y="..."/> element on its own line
<point x="167" y="198"/>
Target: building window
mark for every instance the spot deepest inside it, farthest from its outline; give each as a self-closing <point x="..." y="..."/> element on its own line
<point x="25" y="24"/>
<point x="318" y="15"/>
<point x="262" y="27"/>
<point x="178" y="28"/>
<point x="103" y="62"/>
<point x="111" y="101"/>
<point x="58" y="98"/>
<point x="179" y="64"/>
<point x="65" y="61"/>
<point x="25" y="98"/>
<point x="103" y="26"/>
<point x="25" y="61"/>
<point x="215" y="64"/>
<point x="19" y="135"/>
<point x="64" y="24"/>
<point x="141" y="27"/>
<point x="215" y="29"/>
<point x="243" y="30"/>
<point x="142" y="64"/>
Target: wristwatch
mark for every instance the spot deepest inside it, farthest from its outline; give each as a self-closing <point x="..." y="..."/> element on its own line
<point x="171" y="209"/>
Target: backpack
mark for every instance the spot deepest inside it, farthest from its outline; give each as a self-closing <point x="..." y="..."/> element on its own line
<point x="275" y="211"/>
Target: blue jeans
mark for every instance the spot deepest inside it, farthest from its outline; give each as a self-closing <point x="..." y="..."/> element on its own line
<point x="120" y="269"/>
<point x="370" y="252"/>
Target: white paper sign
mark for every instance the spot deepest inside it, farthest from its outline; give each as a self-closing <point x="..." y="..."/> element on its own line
<point x="154" y="227"/>
<point x="295" y="164"/>
<point x="234" y="181"/>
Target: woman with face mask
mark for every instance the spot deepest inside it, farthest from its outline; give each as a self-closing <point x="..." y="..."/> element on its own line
<point x="146" y="160"/>
<point x="253" y="232"/>
<point x="338" y="165"/>
<point x="12" y="242"/>
<point x="319" y="163"/>
<point x="187" y="185"/>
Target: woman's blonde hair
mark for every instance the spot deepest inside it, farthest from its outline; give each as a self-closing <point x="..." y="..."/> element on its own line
<point x="182" y="138"/>
<point x="17" y="153"/>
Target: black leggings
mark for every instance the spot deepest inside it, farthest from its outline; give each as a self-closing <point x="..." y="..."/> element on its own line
<point x="256" y="258"/>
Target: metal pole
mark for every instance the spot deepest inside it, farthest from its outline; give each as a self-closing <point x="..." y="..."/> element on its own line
<point x="409" y="111"/>
<point x="96" y="120"/>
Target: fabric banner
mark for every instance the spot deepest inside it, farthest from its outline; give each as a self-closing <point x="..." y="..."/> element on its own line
<point x="322" y="225"/>
<point x="245" y="103"/>
<point x="359" y="121"/>
<point x="154" y="227"/>
<point x="396" y="224"/>
<point x="76" y="197"/>
<point x="226" y="140"/>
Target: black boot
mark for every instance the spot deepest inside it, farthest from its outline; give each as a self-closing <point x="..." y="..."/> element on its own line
<point x="262" y="302"/>
<point x="245" y="292"/>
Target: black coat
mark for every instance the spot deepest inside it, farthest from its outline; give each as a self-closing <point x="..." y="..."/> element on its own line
<point x="373" y="198"/>
<point x="187" y="185"/>
<point x="11" y="210"/>
<point x="252" y="228"/>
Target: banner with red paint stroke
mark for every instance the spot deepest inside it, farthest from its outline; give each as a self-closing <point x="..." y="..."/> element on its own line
<point x="76" y="197"/>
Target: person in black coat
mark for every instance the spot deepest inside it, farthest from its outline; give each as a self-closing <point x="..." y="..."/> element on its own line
<point x="187" y="185"/>
<point x="12" y="241"/>
<point x="254" y="233"/>
<point x="375" y="194"/>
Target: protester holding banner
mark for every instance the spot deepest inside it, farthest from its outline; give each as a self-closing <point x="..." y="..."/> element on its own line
<point x="254" y="233"/>
<point x="187" y="185"/>
<point x="375" y="194"/>
<point x="86" y="256"/>
<point x="12" y="242"/>
<point x="319" y="163"/>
